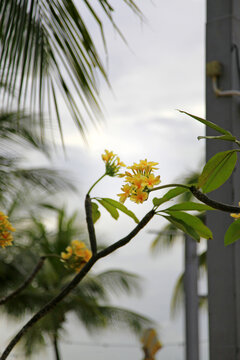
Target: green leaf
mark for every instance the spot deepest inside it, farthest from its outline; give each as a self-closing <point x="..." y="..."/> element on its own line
<point x="110" y="208"/>
<point x="208" y="123"/>
<point x="217" y="170"/>
<point x="169" y="195"/>
<point x="221" y="137"/>
<point x="95" y="212"/>
<point x="122" y="208"/>
<point x="189" y="205"/>
<point x="183" y="226"/>
<point x="233" y="233"/>
<point x="192" y="221"/>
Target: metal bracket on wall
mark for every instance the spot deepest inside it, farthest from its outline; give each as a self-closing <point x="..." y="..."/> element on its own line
<point x="214" y="70"/>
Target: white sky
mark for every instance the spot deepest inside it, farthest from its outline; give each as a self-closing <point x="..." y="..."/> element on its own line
<point x="160" y="71"/>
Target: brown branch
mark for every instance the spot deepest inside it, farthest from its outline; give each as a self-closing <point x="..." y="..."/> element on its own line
<point x="25" y="283"/>
<point x="214" y="204"/>
<point x="91" y="230"/>
<point x="83" y="272"/>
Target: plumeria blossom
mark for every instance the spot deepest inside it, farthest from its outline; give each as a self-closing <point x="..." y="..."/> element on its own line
<point x="6" y="230"/>
<point x="139" y="181"/>
<point x="76" y="255"/>
<point x="112" y="163"/>
<point x="236" y="216"/>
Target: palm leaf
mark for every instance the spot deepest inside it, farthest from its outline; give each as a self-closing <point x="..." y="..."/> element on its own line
<point x="178" y="291"/>
<point x="119" y="281"/>
<point x="47" y="52"/>
<point x="22" y="129"/>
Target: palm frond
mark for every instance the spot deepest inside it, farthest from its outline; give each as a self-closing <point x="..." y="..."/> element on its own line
<point x="119" y="281"/>
<point x="178" y="291"/>
<point x="165" y="239"/>
<point x="116" y="317"/>
<point x="48" y="53"/>
<point x="177" y="300"/>
<point x="48" y="179"/>
<point x="23" y="129"/>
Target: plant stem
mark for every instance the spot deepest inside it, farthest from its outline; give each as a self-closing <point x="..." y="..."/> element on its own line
<point x="214" y="204"/>
<point x="96" y="183"/>
<point x="169" y="185"/>
<point x="90" y="225"/>
<point x="56" y="348"/>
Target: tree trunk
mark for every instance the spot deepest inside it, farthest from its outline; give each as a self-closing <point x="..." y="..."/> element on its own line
<point x="56" y="348"/>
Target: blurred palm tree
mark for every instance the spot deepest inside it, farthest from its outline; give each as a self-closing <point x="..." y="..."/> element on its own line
<point x="89" y="301"/>
<point x="48" y="54"/>
<point x="20" y="134"/>
<point x="167" y="237"/>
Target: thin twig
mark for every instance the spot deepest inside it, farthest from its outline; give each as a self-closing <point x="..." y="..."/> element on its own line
<point x="26" y="282"/>
<point x="214" y="204"/>
<point x="169" y="185"/>
<point x="91" y="230"/>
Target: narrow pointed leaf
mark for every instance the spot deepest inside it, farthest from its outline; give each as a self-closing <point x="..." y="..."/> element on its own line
<point x="122" y="208"/>
<point x="95" y="212"/>
<point x="217" y="170"/>
<point x="180" y="224"/>
<point x="192" y="221"/>
<point x="233" y="233"/>
<point x="221" y="137"/>
<point x="189" y="205"/>
<point x="208" y="123"/>
<point x="111" y="209"/>
<point x="169" y="195"/>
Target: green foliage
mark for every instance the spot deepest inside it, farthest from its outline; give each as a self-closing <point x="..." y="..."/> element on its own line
<point x="95" y="212"/>
<point x="182" y="225"/>
<point x="217" y="170"/>
<point x="193" y="221"/>
<point x="48" y="51"/>
<point x="169" y="195"/>
<point x="112" y="206"/>
<point x="209" y="124"/>
<point x="189" y="205"/>
<point x="233" y="233"/>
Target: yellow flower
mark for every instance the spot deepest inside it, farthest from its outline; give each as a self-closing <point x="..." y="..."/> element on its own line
<point x="140" y="181"/>
<point x="6" y="239"/>
<point x="107" y="156"/>
<point x="76" y="244"/>
<point x="152" y="180"/>
<point x="68" y="254"/>
<point x="6" y="228"/>
<point x="126" y="193"/>
<point x="87" y="255"/>
<point x="139" y="197"/>
<point x="112" y="162"/>
<point x="120" y="163"/>
<point x="76" y="255"/>
<point x="236" y="216"/>
<point x="144" y="166"/>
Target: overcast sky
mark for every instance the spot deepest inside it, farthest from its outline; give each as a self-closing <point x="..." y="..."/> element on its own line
<point x="161" y="70"/>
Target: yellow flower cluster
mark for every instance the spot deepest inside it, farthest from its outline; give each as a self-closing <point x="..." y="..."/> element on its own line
<point x="6" y="228"/>
<point x="139" y="182"/>
<point x="112" y="163"/>
<point x="76" y="255"/>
